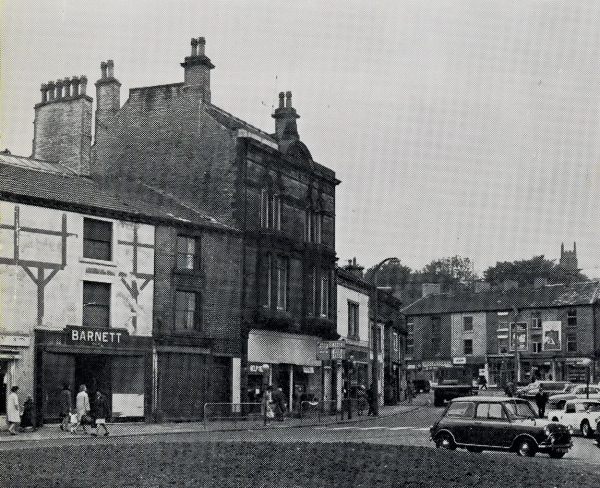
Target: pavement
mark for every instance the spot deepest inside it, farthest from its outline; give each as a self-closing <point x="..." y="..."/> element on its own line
<point x="123" y="429"/>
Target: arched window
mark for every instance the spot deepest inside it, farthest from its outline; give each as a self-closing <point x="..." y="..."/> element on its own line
<point x="270" y="208"/>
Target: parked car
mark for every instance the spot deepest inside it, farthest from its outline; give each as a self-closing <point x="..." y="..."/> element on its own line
<point x="574" y="391"/>
<point x="578" y="414"/>
<point x="446" y="390"/>
<point x="550" y="388"/>
<point x="421" y="386"/>
<point x="480" y="423"/>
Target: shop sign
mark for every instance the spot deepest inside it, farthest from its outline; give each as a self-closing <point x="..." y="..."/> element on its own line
<point x="331" y="350"/>
<point x="308" y="369"/>
<point x="258" y="368"/>
<point x="14" y="340"/>
<point x="459" y="360"/>
<point x="87" y="336"/>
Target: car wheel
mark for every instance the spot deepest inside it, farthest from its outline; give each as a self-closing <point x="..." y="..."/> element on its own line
<point x="586" y="430"/>
<point x="444" y="441"/>
<point x="525" y="448"/>
<point x="556" y="454"/>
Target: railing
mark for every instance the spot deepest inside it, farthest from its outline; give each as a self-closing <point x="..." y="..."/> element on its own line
<point x="233" y="412"/>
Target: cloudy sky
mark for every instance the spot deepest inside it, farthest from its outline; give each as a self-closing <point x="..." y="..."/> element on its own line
<point x="457" y="127"/>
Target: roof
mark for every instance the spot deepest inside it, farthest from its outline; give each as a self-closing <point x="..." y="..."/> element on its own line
<point x="233" y="123"/>
<point x="562" y="295"/>
<point x="45" y="183"/>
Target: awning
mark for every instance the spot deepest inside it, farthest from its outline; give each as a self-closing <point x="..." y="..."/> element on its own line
<point x="265" y="346"/>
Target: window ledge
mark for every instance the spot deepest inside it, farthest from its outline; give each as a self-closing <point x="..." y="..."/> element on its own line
<point x="99" y="262"/>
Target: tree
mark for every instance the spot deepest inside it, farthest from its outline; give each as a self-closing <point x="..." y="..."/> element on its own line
<point x="526" y="271"/>
<point x="392" y="274"/>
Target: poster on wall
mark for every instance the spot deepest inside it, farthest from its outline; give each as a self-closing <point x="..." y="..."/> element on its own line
<point x="518" y="336"/>
<point x="551" y="335"/>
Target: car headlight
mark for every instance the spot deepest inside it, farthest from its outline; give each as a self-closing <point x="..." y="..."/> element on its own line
<point x="546" y="430"/>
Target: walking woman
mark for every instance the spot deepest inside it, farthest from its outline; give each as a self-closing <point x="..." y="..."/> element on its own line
<point x="13" y="412"/>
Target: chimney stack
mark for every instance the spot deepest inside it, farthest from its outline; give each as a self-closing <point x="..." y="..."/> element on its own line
<point x="197" y="68"/>
<point x="285" y="119"/>
<point x="63" y="124"/>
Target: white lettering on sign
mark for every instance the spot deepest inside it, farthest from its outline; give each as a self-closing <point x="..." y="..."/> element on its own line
<point x="95" y="336"/>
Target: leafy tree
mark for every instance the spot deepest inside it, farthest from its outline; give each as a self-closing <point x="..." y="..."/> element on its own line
<point x="393" y="274"/>
<point x="525" y="272"/>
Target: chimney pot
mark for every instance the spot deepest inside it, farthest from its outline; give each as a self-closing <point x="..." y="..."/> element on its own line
<point x="110" y="64"/>
<point x="44" y="90"/>
<point x="50" y="90"/>
<point x="59" y="87"/>
<point x="288" y="99"/>
<point x="201" y="44"/>
<point x="67" y="85"/>
<point x="83" y="82"/>
<point x="281" y="97"/>
<point x="103" y="69"/>
<point x="194" y="47"/>
<point x="75" y="83"/>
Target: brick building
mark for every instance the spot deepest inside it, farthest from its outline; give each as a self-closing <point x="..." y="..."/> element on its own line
<point x="266" y="186"/>
<point x="548" y="331"/>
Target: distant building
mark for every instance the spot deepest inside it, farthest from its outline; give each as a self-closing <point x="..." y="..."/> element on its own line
<point x="568" y="259"/>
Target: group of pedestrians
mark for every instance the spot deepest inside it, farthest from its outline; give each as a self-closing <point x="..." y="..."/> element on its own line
<point x="17" y="419"/>
<point x="274" y="404"/>
<point x="93" y="415"/>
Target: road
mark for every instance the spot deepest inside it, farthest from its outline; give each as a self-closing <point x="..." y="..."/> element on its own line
<point x="410" y="428"/>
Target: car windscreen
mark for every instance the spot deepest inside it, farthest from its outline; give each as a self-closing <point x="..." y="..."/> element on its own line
<point x="519" y="410"/>
<point x="460" y="409"/>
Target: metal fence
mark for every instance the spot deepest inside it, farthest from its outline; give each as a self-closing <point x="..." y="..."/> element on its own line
<point x="233" y="412"/>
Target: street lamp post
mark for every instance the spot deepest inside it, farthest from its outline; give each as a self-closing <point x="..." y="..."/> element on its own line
<point x="376" y="337"/>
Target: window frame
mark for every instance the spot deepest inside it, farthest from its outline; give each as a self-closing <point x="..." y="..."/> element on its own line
<point x="196" y="318"/>
<point x="572" y="318"/>
<point x="92" y="309"/>
<point x="91" y="243"/>
<point x="194" y="255"/>
<point x="466" y="319"/>
<point x="353" y="320"/>
<point x="468" y="351"/>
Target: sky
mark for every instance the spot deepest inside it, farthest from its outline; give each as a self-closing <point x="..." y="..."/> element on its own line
<point x="456" y="127"/>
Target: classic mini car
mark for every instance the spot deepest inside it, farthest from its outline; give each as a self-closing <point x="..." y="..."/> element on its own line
<point x="480" y="423"/>
<point x="577" y="414"/>
<point x="549" y="387"/>
<point x="575" y="391"/>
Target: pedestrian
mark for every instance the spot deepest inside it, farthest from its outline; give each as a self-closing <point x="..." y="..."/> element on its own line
<point x="13" y="411"/>
<point x="541" y="398"/>
<point x="361" y="399"/>
<point x="100" y="413"/>
<point x="280" y="405"/>
<point x="482" y="383"/>
<point x="82" y="404"/>
<point x="267" y="404"/>
<point x="371" y="400"/>
<point x="410" y="393"/>
<point x="66" y="407"/>
<point x="28" y="415"/>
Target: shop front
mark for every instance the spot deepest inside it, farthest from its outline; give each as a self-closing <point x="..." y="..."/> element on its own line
<point x="13" y="347"/>
<point x="286" y="361"/>
<point x="108" y="360"/>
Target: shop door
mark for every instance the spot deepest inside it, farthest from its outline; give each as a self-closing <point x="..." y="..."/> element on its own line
<point x="93" y="371"/>
<point x="56" y="369"/>
<point x="3" y="386"/>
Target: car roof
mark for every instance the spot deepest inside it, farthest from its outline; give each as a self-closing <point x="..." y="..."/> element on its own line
<point x="490" y="398"/>
<point x="583" y="400"/>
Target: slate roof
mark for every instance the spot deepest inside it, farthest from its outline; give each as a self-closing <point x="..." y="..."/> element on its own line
<point x="550" y="296"/>
<point x="51" y="184"/>
<point x="231" y="122"/>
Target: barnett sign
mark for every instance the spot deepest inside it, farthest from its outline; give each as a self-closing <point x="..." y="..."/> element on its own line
<point x="87" y="336"/>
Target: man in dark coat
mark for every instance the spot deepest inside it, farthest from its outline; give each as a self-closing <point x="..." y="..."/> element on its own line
<point x="279" y="399"/>
<point x="541" y="398"/>
<point x="66" y="407"/>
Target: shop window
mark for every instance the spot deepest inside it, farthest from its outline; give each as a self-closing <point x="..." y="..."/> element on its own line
<point x="536" y="344"/>
<point x="97" y="239"/>
<point x="96" y="304"/>
<point x="571" y="342"/>
<point x="468" y="346"/>
<point x="536" y="320"/>
<point x="187" y="311"/>
<point x="187" y="253"/>
<point x="467" y="323"/>
<point x="572" y="318"/>
<point x="353" y="320"/>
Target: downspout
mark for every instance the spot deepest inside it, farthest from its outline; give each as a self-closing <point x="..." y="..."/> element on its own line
<point x="244" y="328"/>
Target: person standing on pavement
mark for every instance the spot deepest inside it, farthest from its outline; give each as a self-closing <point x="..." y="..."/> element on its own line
<point x="28" y="415"/>
<point x="280" y="405"/>
<point x="371" y="401"/>
<point x="82" y="404"/>
<point x="267" y="404"/>
<point x="540" y="400"/>
<point x="100" y="412"/>
<point x="66" y="407"/>
<point x="13" y="412"/>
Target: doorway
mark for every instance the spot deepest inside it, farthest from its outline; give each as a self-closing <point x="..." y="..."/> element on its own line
<point x="3" y="386"/>
<point x="93" y="371"/>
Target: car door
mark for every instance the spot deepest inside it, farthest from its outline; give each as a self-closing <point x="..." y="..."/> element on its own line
<point x="491" y="426"/>
<point x="569" y="415"/>
<point x="459" y="418"/>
